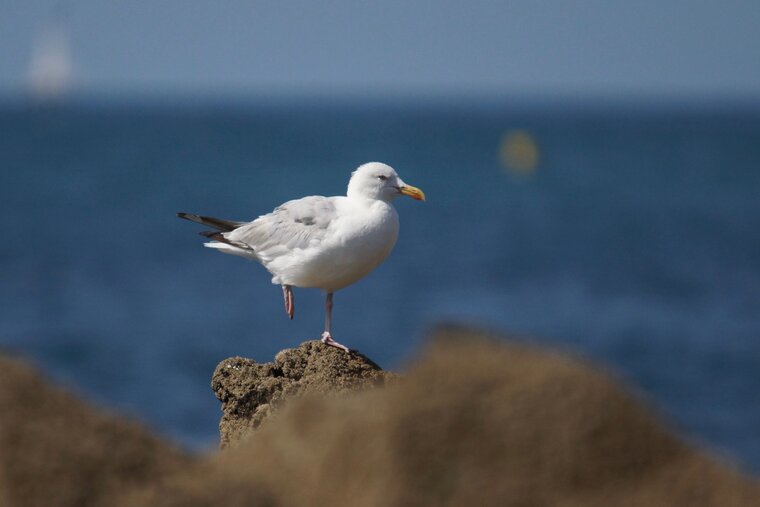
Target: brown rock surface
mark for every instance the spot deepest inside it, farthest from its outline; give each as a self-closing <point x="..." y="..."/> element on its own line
<point x="56" y="450"/>
<point x="251" y="391"/>
<point x="474" y="423"/>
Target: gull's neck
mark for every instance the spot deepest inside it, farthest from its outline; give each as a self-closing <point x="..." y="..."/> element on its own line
<point x="366" y="200"/>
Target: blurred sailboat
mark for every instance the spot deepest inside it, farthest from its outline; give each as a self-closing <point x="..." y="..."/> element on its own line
<point x="50" y="71"/>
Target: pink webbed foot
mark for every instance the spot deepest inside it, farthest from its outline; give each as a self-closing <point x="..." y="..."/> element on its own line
<point x="328" y="340"/>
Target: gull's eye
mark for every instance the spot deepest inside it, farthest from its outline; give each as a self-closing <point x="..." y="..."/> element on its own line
<point x="382" y="178"/>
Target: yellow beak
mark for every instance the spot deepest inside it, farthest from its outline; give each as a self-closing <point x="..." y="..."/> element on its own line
<point x="413" y="192"/>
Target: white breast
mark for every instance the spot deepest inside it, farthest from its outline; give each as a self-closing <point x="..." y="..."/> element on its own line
<point x="359" y="239"/>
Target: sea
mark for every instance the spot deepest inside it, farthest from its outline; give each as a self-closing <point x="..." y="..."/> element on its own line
<point x="624" y="233"/>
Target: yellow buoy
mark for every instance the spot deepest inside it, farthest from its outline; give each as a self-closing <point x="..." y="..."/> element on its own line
<point x="519" y="152"/>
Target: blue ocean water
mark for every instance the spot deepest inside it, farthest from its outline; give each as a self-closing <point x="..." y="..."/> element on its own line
<point x="636" y="242"/>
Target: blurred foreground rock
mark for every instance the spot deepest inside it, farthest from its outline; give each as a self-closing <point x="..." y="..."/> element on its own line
<point x="473" y="422"/>
<point x="56" y="450"/>
<point x="250" y="391"/>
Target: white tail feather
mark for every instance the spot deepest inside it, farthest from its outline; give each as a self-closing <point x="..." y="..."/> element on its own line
<point x="231" y="249"/>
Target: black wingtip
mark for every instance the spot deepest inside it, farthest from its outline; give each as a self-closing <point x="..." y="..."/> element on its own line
<point x="216" y="223"/>
<point x="212" y="235"/>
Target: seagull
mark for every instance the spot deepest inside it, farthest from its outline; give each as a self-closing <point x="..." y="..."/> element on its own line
<point x="320" y="242"/>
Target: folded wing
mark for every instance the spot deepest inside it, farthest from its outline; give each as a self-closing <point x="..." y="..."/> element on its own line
<point x="295" y="225"/>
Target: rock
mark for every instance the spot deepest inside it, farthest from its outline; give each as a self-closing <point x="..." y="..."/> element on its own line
<point x="475" y="422"/>
<point x="56" y="450"/>
<point x="250" y="391"/>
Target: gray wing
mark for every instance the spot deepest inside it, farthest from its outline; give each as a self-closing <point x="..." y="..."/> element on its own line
<point x="297" y="224"/>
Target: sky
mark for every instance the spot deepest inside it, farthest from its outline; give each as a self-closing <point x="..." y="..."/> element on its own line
<point x="685" y="48"/>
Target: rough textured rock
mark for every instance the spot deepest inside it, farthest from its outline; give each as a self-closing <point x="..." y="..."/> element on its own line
<point x="473" y="423"/>
<point x="56" y="450"/>
<point x="251" y="391"/>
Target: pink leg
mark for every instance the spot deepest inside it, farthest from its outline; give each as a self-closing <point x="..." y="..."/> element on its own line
<point x="287" y="294"/>
<point x="327" y="336"/>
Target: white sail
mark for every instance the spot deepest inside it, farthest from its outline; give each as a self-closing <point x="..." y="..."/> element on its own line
<point x="50" y="68"/>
